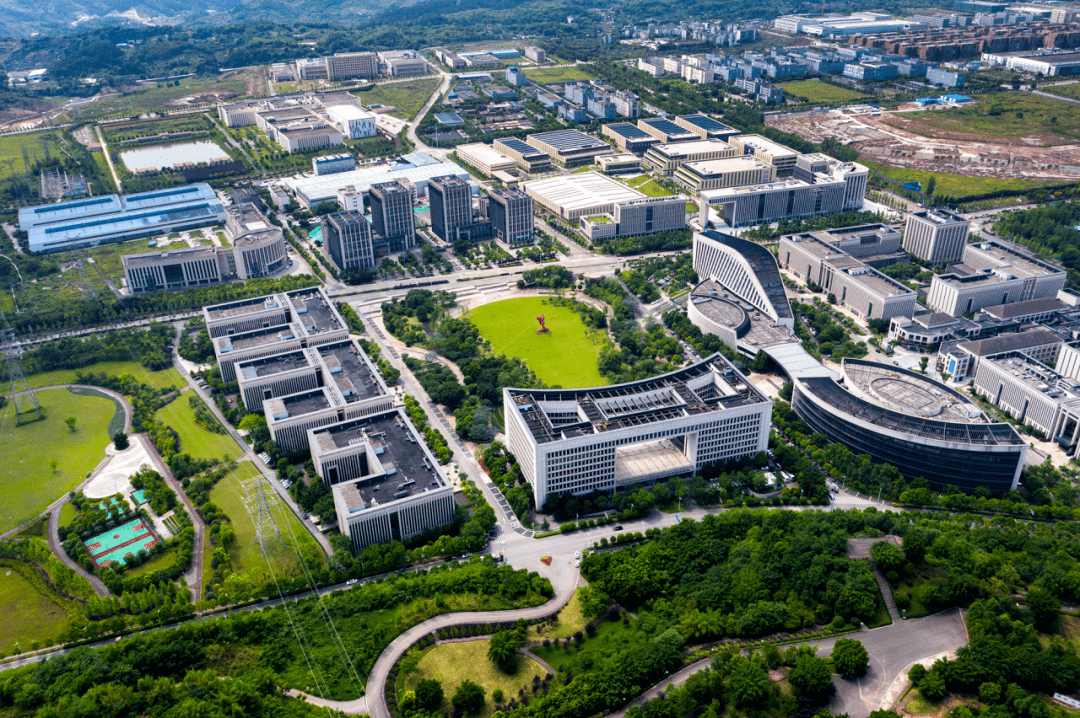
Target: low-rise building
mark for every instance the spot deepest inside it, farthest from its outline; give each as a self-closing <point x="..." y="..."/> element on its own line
<point x="783" y="158"/>
<point x="527" y="157"/>
<point x="354" y="123"/>
<point x="536" y="54"/>
<point x="618" y="164"/>
<point x="332" y="164"/>
<point x="871" y="71"/>
<point x="960" y="359"/>
<point x="629" y="137"/>
<point x="721" y="173"/>
<point x="569" y="148"/>
<point x="706" y="127"/>
<point x="485" y="158"/>
<point x="666" y="131"/>
<point x="665" y="159"/>
<point x="991" y="274"/>
<point x="945" y="78"/>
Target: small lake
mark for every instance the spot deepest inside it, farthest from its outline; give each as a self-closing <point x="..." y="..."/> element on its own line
<point x="157" y="157"/>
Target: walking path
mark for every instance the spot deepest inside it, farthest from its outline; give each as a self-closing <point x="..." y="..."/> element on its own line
<point x="108" y="159"/>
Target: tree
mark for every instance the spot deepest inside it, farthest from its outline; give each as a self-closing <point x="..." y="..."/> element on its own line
<point x="429" y="694"/>
<point x="748" y="682"/>
<point x="502" y="650"/>
<point x="922" y="364"/>
<point x="120" y="441"/>
<point x="53" y="464"/>
<point x="931" y="186"/>
<point x="70" y="421"/>
<point x="887" y="556"/>
<point x="1044" y="607"/>
<point x="933" y="686"/>
<point x="850" y="658"/>
<point x="468" y="698"/>
<point x="810" y="676"/>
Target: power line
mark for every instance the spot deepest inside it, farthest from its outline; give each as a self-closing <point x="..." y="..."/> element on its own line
<point x="27" y="406"/>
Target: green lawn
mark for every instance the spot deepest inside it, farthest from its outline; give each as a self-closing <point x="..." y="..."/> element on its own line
<point x="560" y="74"/>
<point x="194" y="439"/>
<point x="452" y="663"/>
<point x="68" y="512"/>
<point x="28" y="614"/>
<point x="230" y="496"/>
<point x="958" y="186"/>
<point x="566" y="356"/>
<point x="1072" y="90"/>
<point x="997" y="117"/>
<point x="28" y="483"/>
<point x="162" y="560"/>
<point x="571" y="619"/>
<point x="652" y="189"/>
<point x="610" y="637"/>
<point x="161" y="379"/>
<point x="818" y="91"/>
<point x="406" y="97"/>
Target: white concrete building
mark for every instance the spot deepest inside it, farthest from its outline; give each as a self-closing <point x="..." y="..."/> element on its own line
<point x="992" y="274"/>
<point x="355" y="123"/>
<point x="608" y="438"/>
<point x="936" y="235"/>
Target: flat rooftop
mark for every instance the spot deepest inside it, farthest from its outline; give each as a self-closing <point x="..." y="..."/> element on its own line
<point x="684" y="149"/>
<point x="527" y="151"/>
<point x="710" y="385"/>
<point x="313" y="311"/>
<point x="785" y="184"/>
<point x="1036" y="376"/>
<point x="875" y="281"/>
<point x="180" y="255"/>
<point x="708" y="124"/>
<point x="764" y="144"/>
<point x="628" y="131"/>
<point x="1016" y="263"/>
<point x="569" y="140"/>
<point x="710" y="168"/>
<point x="255" y="338"/>
<point x="1065" y="58"/>
<point x="581" y="191"/>
<point x="273" y="365"/>
<point x="349" y="372"/>
<point x="669" y="128"/>
<point x="404" y="467"/>
<point x="239" y="308"/>
<point x="304" y="402"/>
<point x="755" y="329"/>
<point x="1011" y="342"/>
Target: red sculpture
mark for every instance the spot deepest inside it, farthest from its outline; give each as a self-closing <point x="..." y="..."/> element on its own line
<point x="543" y="329"/>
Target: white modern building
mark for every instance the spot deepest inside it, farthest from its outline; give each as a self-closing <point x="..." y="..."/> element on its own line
<point x="936" y="235"/>
<point x="355" y="123"/>
<point x="310" y="191"/>
<point x="608" y="438"/>
<point x="992" y="274"/>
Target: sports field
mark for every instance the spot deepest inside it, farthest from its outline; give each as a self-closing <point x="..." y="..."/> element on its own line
<point x="818" y="91"/>
<point x="231" y="496"/>
<point x="111" y="546"/>
<point x="560" y="74"/>
<point x="28" y="614"/>
<point x="566" y="356"/>
<point x="28" y="483"/>
<point x="194" y="439"/>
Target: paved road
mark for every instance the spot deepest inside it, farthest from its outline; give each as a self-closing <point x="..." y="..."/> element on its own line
<point x="893" y="649"/>
<point x="108" y="159"/>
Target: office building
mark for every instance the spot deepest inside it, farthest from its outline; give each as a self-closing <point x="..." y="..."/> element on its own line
<point x="528" y="158"/>
<point x="348" y="238"/>
<point x="627" y="104"/>
<point x="706" y="127"/>
<point x="332" y="164"/>
<point x="258" y="246"/>
<point x="859" y="23"/>
<point x="721" y="173"/>
<point x="747" y="269"/>
<point x="783" y="158"/>
<point x="992" y="274"/>
<point x="1063" y="15"/>
<point x="918" y="425"/>
<point x="392" y="213"/>
<point x="877" y="245"/>
<point x="485" y="158"/>
<point x="1046" y="64"/>
<point x="961" y="358"/>
<point x="575" y="441"/>
<point x="414" y="169"/>
<point x="511" y="215"/>
<point x="354" y="123"/>
<point x="311" y="68"/>
<point x="350" y="65"/>
<point x="403" y="63"/>
<point x="666" y="131"/>
<point x="618" y="164"/>
<point x="665" y="159"/>
<point x="175" y="269"/>
<point x="450" y="199"/>
<point x="91" y="221"/>
<point x="569" y="148"/>
<point x="515" y="77"/>
<point x="386" y="484"/>
<point x="536" y="54"/>
<point x="629" y="138"/>
<point x="871" y="71"/>
<point x="255" y="328"/>
<point x="936" y="235"/>
<point x="945" y="78"/>
<point x="859" y="288"/>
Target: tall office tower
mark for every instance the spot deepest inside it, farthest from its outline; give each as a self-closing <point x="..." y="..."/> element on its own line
<point x="392" y="213"/>
<point x="936" y="235"/>
<point x="451" y="206"/>
<point x="348" y="238"/>
<point x="511" y="213"/>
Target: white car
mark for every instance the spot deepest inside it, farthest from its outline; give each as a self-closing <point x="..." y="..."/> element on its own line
<point x="351" y="581"/>
<point x="577" y="564"/>
<point x="577" y="555"/>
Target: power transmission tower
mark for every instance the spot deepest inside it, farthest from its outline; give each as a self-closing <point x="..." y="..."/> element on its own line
<point x="27" y="407"/>
<point x="87" y="288"/>
<point x="258" y="507"/>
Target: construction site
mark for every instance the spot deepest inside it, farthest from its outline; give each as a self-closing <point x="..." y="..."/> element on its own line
<point x="880" y="136"/>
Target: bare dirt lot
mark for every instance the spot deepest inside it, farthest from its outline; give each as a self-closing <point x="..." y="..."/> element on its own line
<point x="894" y="137"/>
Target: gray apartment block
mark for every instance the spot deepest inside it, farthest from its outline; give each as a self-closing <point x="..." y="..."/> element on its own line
<point x="858" y="287"/>
<point x="992" y="274"/>
<point x="936" y="235"/>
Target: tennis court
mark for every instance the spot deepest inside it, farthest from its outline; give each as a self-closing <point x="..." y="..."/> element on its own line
<point x="139" y="497"/>
<point x="111" y="546"/>
<point x="109" y="503"/>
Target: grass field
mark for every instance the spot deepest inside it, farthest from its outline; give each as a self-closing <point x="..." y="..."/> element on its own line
<point x="1000" y="116"/>
<point x="68" y="512"/>
<point x="406" y="97"/>
<point x="161" y="379"/>
<point x="194" y="439"/>
<point x="818" y="91"/>
<point x="571" y="619"/>
<point x="28" y="614"/>
<point x="958" y="186"/>
<point x="452" y="663"/>
<point x="545" y="75"/>
<point x="229" y="494"/>
<point x="566" y="356"/>
<point x="1072" y="90"/>
<point x="162" y="560"/>
<point x="29" y="483"/>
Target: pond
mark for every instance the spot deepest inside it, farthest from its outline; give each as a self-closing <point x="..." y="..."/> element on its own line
<point x="157" y="157"/>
